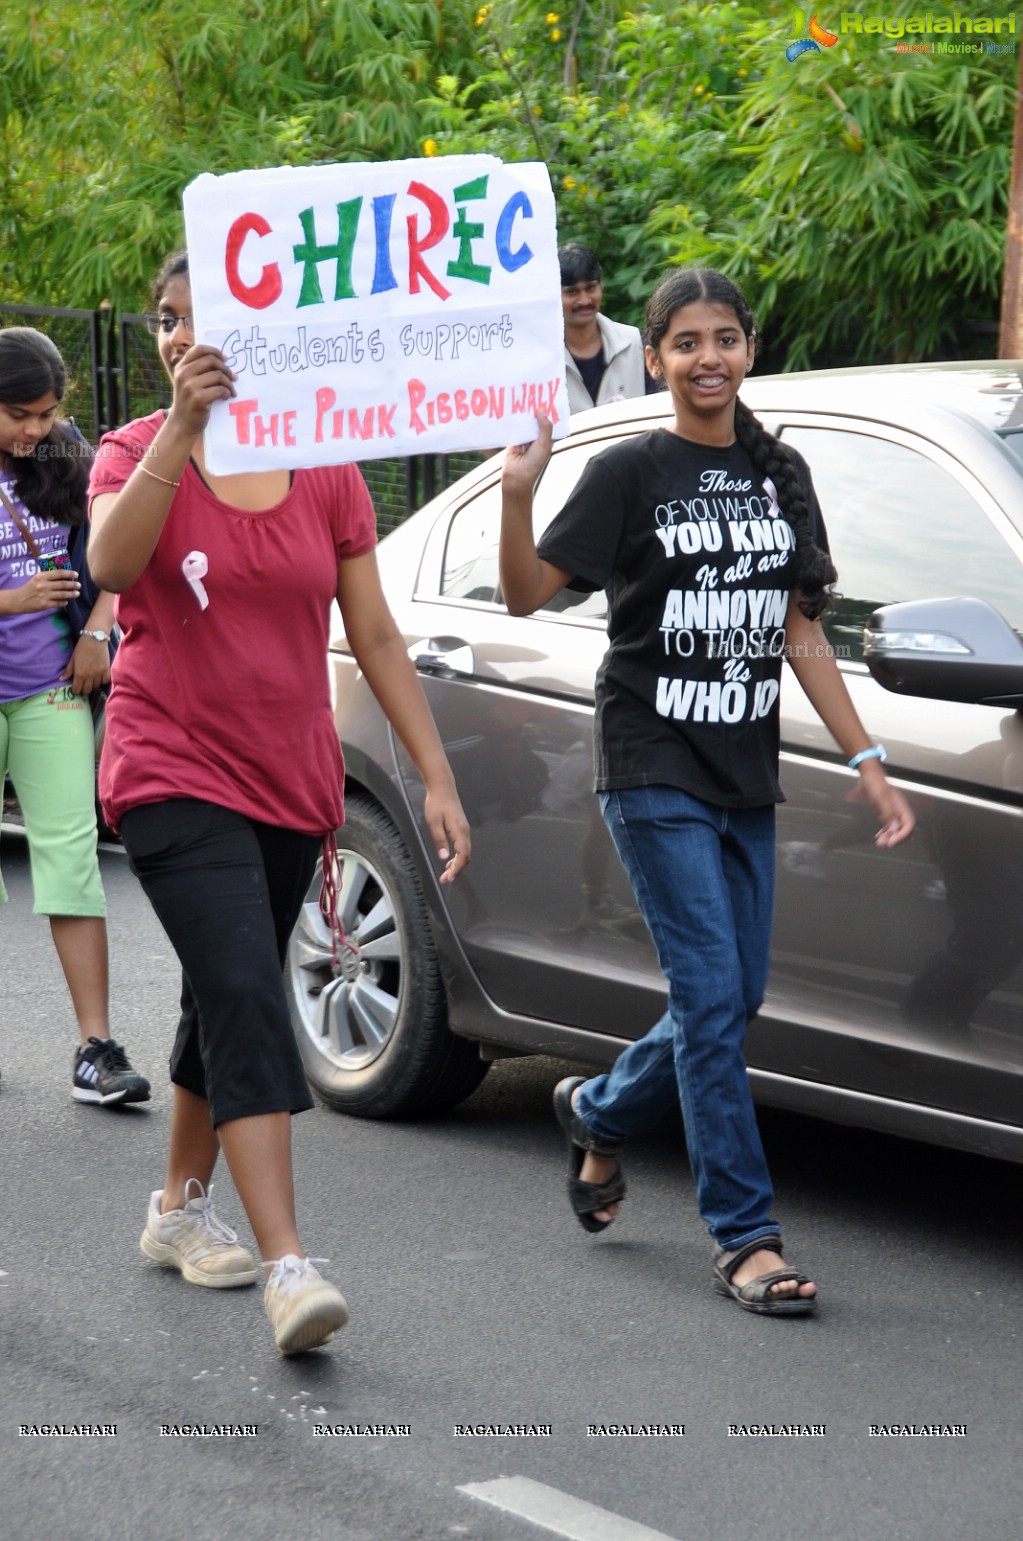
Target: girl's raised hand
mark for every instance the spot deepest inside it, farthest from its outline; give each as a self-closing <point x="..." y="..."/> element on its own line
<point x="524" y="462"/>
<point x="200" y="378"/>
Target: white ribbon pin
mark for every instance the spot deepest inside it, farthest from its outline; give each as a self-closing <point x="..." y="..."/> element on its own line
<point x="774" y="509"/>
<point x="195" y="567"/>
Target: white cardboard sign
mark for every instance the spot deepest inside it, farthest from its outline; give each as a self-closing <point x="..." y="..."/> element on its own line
<point x="369" y="310"/>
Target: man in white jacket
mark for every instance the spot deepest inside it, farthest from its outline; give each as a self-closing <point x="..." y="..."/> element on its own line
<point x="604" y="359"/>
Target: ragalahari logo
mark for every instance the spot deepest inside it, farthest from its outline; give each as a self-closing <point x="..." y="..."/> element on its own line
<point x="818" y="37"/>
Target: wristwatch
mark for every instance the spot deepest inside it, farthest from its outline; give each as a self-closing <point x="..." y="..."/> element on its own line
<point x="98" y="636"/>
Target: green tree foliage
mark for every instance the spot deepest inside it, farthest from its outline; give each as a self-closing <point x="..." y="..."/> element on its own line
<point x="610" y="96"/>
<point x="862" y="198"/>
<point x="106" y="113"/>
<point x="857" y="193"/>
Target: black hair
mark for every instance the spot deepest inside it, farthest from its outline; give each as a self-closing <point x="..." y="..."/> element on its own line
<point x="53" y="480"/>
<point x="578" y="265"/>
<point x="814" y="570"/>
<point x="174" y="266"/>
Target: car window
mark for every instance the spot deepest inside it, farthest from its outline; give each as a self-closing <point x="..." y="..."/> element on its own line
<point x="470" y="555"/>
<point x="901" y="527"/>
<point x="1012" y="438"/>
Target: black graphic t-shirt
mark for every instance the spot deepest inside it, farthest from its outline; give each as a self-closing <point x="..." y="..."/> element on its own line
<point x="697" y="558"/>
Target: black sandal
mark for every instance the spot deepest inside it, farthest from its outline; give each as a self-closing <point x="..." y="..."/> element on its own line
<point x="585" y="1197"/>
<point x="755" y="1295"/>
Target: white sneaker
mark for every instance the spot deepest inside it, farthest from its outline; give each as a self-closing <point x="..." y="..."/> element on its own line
<point x="194" y="1241"/>
<point x="304" y="1310"/>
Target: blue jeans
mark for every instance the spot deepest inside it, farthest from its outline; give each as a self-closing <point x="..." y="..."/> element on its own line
<point x="704" y="879"/>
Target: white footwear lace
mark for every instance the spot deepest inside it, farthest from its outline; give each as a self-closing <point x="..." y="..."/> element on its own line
<point x="196" y="1242"/>
<point x="288" y="1271"/>
<point x="202" y="1208"/>
<point x="303" y="1308"/>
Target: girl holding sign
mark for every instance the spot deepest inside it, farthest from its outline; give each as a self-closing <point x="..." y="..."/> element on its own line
<point x="222" y="769"/>
<point x="54" y="652"/>
<point x="686" y="747"/>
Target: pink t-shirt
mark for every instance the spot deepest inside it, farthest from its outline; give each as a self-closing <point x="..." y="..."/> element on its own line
<point x="220" y="685"/>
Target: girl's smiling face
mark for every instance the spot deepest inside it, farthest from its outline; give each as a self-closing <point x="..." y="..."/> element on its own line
<point x="176" y="302"/>
<point x="703" y="357"/>
<point x="24" y="425"/>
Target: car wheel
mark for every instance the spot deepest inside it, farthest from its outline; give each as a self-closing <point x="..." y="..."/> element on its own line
<point x="372" y="1029"/>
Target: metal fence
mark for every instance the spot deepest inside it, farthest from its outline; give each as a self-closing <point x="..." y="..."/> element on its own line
<point x="399" y="487"/>
<point x="115" y="374"/>
<point x="79" y="336"/>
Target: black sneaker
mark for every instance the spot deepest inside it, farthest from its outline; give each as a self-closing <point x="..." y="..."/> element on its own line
<point x="102" y="1074"/>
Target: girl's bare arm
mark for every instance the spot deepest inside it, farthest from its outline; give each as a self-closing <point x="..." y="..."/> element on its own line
<point x="813" y="663"/>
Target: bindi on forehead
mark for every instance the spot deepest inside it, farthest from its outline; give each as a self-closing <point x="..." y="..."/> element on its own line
<point x="712" y="331"/>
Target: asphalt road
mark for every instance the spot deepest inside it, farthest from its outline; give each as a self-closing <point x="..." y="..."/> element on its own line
<point x="477" y="1300"/>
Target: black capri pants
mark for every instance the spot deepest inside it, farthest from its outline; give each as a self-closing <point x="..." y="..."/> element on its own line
<point x="227" y="890"/>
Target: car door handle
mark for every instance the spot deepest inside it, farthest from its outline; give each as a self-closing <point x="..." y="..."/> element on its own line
<point x="444" y="656"/>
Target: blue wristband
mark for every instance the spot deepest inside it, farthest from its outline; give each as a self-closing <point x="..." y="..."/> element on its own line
<point x="877" y="752"/>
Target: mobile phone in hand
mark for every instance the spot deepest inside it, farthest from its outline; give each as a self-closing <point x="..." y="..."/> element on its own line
<point x="54" y="561"/>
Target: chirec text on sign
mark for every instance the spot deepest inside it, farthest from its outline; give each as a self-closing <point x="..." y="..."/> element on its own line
<point x="378" y="309"/>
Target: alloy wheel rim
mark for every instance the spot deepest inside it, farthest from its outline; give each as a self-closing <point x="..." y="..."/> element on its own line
<point x="348" y="1012"/>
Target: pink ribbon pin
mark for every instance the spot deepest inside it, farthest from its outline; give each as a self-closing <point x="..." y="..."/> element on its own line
<point x="195" y="567"/>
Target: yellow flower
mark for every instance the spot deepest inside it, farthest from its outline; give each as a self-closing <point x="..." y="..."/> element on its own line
<point x="743" y="74"/>
<point x="430" y="147"/>
<point x="569" y="182"/>
<point x="697" y="90"/>
<point x="481" y="15"/>
<point x="537" y="111"/>
<point x="552" y="18"/>
<point x="556" y="33"/>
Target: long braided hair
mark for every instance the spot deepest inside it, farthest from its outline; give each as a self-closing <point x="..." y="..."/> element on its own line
<point x="814" y="571"/>
<point x="52" y="481"/>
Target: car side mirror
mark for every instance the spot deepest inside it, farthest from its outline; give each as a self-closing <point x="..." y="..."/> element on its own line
<point x="946" y="649"/>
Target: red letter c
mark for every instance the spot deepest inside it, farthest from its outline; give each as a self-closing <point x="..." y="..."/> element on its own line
<point x="260" y="295"/>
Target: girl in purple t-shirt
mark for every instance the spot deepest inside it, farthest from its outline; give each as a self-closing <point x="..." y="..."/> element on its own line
<point x="47" y="673"/>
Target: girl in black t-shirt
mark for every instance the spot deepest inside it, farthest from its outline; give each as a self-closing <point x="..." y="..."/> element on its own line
<point x="707" y="537"/>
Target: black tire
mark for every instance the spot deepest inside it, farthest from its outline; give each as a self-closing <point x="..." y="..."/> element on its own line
<point x="373" y="1035"/>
